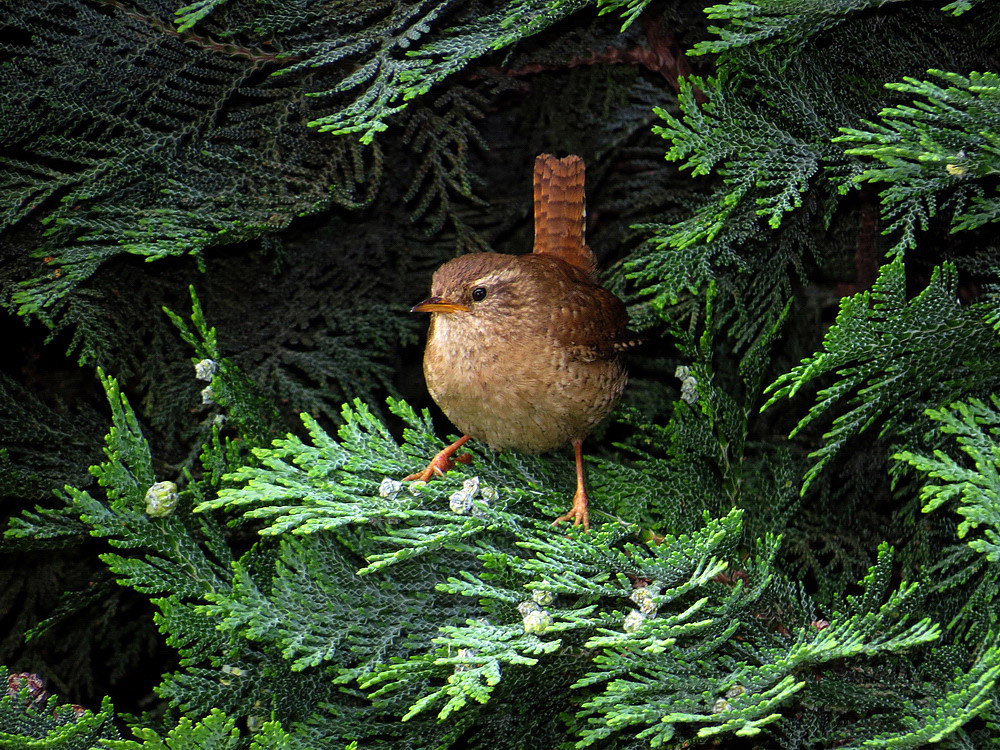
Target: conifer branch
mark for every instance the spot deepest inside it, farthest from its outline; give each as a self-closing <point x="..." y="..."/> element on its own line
<point x="255" y="55"/>
<point x="662" y="54"/>
<point x="251" y="542"/>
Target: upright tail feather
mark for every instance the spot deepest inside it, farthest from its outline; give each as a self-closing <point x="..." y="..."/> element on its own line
<point x="561" y="211"/>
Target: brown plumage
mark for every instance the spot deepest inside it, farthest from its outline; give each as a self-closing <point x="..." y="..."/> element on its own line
<point x="561" y="212"/>
<point x="525" y="351"/>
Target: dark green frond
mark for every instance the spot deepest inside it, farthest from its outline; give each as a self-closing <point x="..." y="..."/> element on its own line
<point x="938" y="154"/>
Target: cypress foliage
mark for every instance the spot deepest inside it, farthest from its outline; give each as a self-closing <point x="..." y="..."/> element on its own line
<point x="215" y="219"/>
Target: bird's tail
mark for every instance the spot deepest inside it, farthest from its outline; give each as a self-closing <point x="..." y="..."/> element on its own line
<point x="561" y="211"/>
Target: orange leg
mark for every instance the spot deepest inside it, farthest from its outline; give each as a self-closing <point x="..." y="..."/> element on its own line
<point x="442" y="462"/>
<point x="578" y="513"/>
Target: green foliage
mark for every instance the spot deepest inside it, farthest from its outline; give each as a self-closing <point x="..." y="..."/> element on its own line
<point x="440" y="58"/>
<point x="215" y="732"/>
<point x="885" y="351"/>
<point x="379" y="80"/>
<point x="958" y="7"/>
<point x="471" y="659"/>
<point x="975" y="426"/>
<point x="545" y="594"/>
<point x="470" y="592"/>
<point x="189" y="15"/>
<point x="180" y="556"/>
<point x="758" y="155"/>
<point x="967" y="485"/>
<point x="121" y="184"/>
<point x="29" y="717"/>
<point x="254" y="415"/>
<point x="246" y="568"/>
<point x="767" y="161"/>
<point x="771" y="23"/>
<point x="447" y="132"/>
<point x="765" y="125"/>
<point x="630" y="9"/>
<point x="400" y="57"/>
<point x="968" y="696"/>
<point x="27" y="468"/>
<point x="935" y="154"/>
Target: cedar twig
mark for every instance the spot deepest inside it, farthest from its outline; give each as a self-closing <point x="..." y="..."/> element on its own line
<point x="661" y="54"/>
<point x="866" y="256"/>
<point x="256" y="55"/>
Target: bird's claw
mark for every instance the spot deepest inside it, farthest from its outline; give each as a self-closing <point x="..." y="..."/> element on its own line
<point x="438" y="465"/>
<point x="577" y="514"/>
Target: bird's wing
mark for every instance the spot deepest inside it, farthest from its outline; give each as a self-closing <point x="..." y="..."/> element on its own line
<point x="561" y="212"/>
<point x="599" y="325"/>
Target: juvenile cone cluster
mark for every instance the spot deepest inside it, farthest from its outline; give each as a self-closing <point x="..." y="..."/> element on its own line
<point x="525" y="351"/>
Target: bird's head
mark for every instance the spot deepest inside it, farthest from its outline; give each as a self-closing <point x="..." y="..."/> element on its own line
<point x="480" y="285"/>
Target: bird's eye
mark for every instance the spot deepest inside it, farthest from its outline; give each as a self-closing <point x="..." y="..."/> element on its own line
<point x="479" y="294"/>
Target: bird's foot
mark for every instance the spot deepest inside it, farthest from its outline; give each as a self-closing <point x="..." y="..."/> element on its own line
<point x="444" y="461"/>
<point x="578" y="513"/>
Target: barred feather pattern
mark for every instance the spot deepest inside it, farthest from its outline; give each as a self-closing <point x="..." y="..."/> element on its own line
<point x="561" y="211"/>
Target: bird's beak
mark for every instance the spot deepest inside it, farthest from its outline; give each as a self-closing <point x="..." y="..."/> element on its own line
<point x="439" y="304"/>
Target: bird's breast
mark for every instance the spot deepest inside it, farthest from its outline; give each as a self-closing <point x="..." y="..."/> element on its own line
<point x="516" y="387"/>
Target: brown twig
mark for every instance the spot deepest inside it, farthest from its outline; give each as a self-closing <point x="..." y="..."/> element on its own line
<point x="866" y="256"/>
<point x="202" y="42"/>
<point x="661" y="54"/>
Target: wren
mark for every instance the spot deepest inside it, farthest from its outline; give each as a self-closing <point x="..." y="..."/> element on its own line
<point x="526" y="351"/>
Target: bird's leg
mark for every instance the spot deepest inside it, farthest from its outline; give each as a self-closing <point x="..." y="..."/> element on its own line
<point x="442" y="462"/>
<point x="578" y="513"/>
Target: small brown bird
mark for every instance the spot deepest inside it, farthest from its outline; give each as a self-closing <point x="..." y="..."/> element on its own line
<point x="525" y="351"/>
